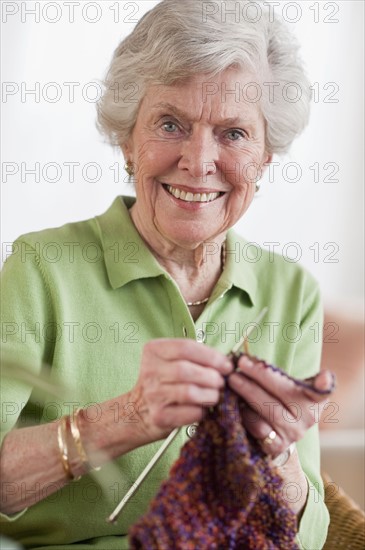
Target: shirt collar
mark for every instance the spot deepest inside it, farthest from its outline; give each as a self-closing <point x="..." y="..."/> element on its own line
<point x="128" y="258"/>
<point x="126" y="255"/>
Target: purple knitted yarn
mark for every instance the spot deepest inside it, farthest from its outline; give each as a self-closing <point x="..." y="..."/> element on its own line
<point x="308" y="383"/>
<point x="221" y="493"/>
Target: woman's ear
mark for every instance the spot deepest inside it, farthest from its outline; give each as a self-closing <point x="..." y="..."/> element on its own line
<point x="267" y="159"/>
<point x="125" y="151"/>
<point x="266" y="162"/>
<point x="126" y="148"/>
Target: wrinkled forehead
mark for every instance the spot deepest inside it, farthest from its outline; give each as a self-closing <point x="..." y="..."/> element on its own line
<point x="230" y="94"/>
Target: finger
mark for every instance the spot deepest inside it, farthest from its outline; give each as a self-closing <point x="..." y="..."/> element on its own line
<point x="181" y="394"/>
<point x="324" y="383"/>
<point x="273" y="381"/>
<point x="260" y="430"/>
<point x="188" y="372"/>
<point x="184" y="348"/>
<point x="289" y="422"/>
<point x="175" y="416"/>
<point x="192" y="394"/>
<point x="277" y="382"/>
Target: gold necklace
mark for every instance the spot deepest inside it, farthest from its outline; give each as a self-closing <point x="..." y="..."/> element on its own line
<point x="223" y="261"/>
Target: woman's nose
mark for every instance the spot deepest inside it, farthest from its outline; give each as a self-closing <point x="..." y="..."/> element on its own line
<point x="199" y="154"/>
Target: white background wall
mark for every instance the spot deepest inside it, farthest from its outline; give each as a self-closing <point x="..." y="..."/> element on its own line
<point x="36" y="53"/>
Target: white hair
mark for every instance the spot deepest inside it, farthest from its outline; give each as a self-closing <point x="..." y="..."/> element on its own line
<point x="180" y="38"/>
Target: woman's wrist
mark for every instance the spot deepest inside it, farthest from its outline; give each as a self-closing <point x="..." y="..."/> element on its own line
<point x="31" y="461"/>
<point x="73" y="456"/>
<point x="295" y="486"/>
<point x="109" y="430"/>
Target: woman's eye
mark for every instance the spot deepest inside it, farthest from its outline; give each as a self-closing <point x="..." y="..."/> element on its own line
<point x="170" y="127"/>
<point x="235" y="135"/>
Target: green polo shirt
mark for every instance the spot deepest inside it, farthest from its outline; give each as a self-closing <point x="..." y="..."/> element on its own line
<point x="84" y="299"/>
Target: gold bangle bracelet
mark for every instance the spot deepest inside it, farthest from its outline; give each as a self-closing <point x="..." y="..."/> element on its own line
<point x="75" y="432"/>
<point x="62" y="445"/>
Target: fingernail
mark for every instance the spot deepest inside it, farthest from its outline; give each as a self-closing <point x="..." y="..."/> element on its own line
<point x="228" y="367"/>
<point x="324" y="381"/>
<point x="246" y="361"/>
<point x="332" y="384"/>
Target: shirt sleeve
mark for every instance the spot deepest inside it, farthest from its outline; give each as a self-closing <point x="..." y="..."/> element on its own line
<point x="314" y="521"/>
<point x="25" y="315"/>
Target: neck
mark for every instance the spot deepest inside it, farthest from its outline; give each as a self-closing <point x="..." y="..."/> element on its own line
<point x="195" y="266"/>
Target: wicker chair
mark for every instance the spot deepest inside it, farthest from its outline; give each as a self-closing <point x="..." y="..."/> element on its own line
<point x="347" y="526"/>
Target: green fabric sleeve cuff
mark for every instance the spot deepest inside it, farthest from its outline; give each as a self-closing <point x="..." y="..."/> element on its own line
<point x="314" y="522"/>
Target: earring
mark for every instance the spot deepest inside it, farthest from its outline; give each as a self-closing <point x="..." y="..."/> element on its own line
<point x="257" y="188"/>
<point x="128" y="167"/>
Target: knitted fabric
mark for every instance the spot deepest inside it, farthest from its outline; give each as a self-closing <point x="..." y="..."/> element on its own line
<point x="221" y="494"/>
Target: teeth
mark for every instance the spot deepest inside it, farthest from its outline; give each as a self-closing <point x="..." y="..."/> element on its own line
<point x="174" y="191"/>
<point x="191" y="197"/>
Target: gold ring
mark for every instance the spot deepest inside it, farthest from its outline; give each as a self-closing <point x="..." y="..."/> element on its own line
<point x="268" y="440"/>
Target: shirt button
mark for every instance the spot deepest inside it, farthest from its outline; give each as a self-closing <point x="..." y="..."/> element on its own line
<point x="190" y="430"/>
<point x="200" y="336"/>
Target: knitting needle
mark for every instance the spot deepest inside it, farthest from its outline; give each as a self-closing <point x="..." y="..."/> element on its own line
<point x="236" y="350"/>
<point x="114" y="515"/>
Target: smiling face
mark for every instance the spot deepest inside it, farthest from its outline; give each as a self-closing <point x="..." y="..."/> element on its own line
<point x="197" y="148"/>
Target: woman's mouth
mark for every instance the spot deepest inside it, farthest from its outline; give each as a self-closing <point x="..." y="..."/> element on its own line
<point x="187" y="196"/>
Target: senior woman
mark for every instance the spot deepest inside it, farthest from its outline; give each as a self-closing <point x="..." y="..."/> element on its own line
<point x="142" y="307"/>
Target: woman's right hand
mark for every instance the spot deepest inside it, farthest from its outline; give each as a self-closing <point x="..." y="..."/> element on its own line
<point x="177" y="379"/>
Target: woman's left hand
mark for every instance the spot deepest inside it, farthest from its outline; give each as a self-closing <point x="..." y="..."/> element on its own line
<point x="278" y="413"/>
